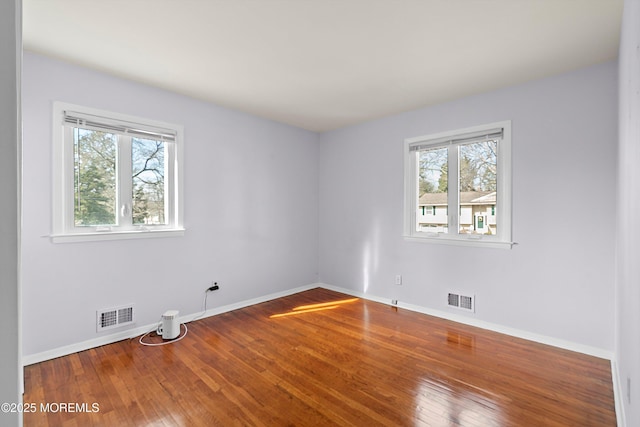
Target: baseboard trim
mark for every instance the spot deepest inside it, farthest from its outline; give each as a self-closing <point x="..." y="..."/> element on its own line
<point x="618" y="394"/>
<point x="134" y="332"/>
<point x="618" y="390"/>
<point x="518" y="333"/>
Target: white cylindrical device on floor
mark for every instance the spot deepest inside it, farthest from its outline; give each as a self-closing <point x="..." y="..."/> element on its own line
<point x="170" y="327"/>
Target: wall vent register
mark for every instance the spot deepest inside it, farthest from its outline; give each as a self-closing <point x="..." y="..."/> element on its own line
<point x="116" y="317"/>
<point x="463" y="302"/>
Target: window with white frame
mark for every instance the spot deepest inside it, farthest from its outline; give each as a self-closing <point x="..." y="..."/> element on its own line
<point x="467" y="170"/>
<point x="115" y="176"/>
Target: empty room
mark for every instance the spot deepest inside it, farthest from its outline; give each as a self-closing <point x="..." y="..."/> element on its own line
<point x="320" y="213"/>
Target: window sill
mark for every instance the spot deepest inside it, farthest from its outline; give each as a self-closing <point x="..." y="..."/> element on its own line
<point x="478" y="243"/>
<point x="116" y="235"/>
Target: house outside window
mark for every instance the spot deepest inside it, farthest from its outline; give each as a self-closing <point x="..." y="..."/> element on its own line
<point x="468" y="169"/>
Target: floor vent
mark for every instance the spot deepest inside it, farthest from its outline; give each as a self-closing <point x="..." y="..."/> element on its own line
<point x="110" y="318"/>
<point x="463" y="302"/>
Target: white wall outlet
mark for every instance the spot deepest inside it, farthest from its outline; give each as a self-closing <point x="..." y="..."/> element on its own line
<point x="398" y="279"/>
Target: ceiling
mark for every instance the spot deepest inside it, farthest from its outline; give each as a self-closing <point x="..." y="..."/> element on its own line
<point x="325" y="64"/>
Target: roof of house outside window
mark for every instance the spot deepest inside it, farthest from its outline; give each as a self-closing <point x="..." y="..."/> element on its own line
<point x="466" y="198"/>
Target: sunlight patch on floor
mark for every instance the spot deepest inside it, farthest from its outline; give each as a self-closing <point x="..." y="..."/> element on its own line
<point x="314" y="307"/>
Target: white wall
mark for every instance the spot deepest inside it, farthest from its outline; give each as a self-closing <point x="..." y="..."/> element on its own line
<point x="558" y="280"/>
<point x="255" y="195"/>
<point x="251" y="205"/>
<point x="628" y="248"/>
<point x="10" y="363"/>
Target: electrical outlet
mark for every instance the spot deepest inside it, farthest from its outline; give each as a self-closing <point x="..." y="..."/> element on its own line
<point x="214" y="287"/>
<point x="398" y="279"/>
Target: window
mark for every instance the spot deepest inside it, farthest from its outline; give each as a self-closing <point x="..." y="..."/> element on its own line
<point x="115" y="176"/>
<point x="469" y="170"/>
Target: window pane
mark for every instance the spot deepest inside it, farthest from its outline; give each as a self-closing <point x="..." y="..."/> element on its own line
<point x="94" y="177"/>
<point x="432" y="191"/>
<point x="147" y="157"/>
<point x="477" y="168"/>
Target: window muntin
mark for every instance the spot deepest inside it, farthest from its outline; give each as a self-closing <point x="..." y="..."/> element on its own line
<point x="115" y="176"/>
<point x="468" y="169"/>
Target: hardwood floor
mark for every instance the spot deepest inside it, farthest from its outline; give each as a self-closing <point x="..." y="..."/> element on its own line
<point x="348" y="363"/>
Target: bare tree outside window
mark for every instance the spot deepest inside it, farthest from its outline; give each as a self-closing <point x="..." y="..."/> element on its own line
<point x="478" y="166"/>
<point x="433" y="171"/>
<point x="478" y="184"/>
<point x="95" y="183"/>
<point x="148" y="161"/>
<point x="115" y="176"/>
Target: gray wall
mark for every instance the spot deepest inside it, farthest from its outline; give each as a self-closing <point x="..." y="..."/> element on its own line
<point x="628" y="248"/>
<point x="10" y="364"/>
<point x="250" y="209"/>
<point x="558" y="280"/>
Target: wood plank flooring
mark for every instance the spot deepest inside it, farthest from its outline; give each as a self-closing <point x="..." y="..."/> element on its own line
<point x="349" y="362"/>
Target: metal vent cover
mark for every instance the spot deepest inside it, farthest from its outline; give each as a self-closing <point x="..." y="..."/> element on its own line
<point x="454" y="300"/>
<point x="125" y="315"/>
<point x="463" y="302"/>
<point x="110" y="318"/>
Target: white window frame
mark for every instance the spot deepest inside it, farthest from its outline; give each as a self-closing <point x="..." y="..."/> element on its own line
<point x="64" y="229"/>
<point x="503" y="238"/>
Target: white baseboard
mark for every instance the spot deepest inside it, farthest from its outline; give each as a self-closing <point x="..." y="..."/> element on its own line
<point x="618" y="394"/>
<point x="518" y="333"/>
<point x="130" y="333"/>
<point x="134" y="332"/>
